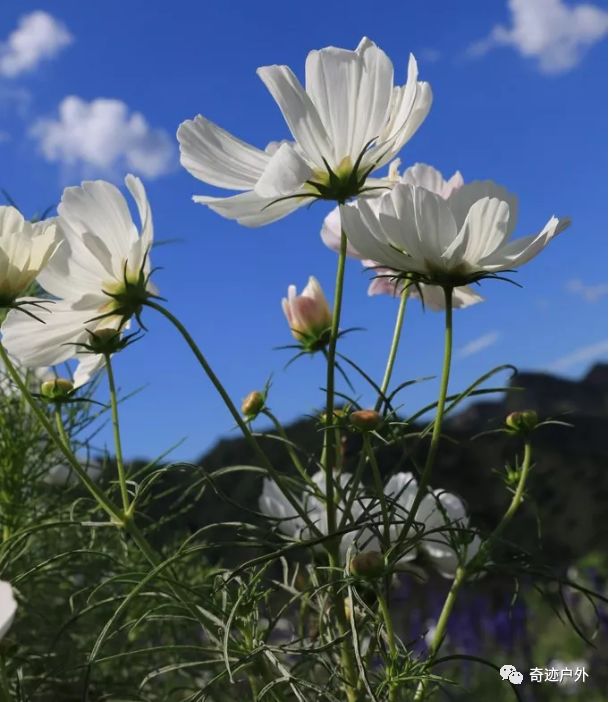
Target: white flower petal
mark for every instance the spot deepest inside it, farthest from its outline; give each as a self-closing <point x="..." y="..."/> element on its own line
<point x="36" y="344"/>
<point x="298" y="111"/>
<point x="484" y="230"/>
<point x="352" y="91"/>
<point x="461" y="200"/>
<point x="214" y="156"/>
<point x="98" y="207"/>
<point x="410" y="106"/>
<point x="430" y="178"/>
<point x="331" y="234"/>
<point x="515" y="253"/>
<point x="284" y="174"/>
<point x="252" y="210"/>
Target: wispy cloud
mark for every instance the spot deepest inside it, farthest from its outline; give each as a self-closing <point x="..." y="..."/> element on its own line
<point x="553" y="33"/>
<point x="38" y="37"/>
<point x="479" y="344"/>
<point x="589" y="293"/>
<point x="584" y="354"/>
<point x="429" y="55"/>
<point x="102" y="137"/>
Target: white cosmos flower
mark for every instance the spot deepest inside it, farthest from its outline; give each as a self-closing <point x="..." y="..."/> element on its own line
<point x="445" y="241"/>
<point x="400" y="491"/>
<point x="8" y="607"/>
<point x="348" y="120"/>
<point x="273" y="503"/>
<point x="385" y="281"/>
<point x="445" y="516"/>
<point x="25" y="248"/>
<point x="100" y="276"/>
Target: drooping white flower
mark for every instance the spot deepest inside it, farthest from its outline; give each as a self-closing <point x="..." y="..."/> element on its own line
<point x="308" y="314"/>
<point x="25" y="248"/>
<point x="448" y="541"/>
<point x="448" y="241"/>
<point x="273" y="503"/>
<point x="346" y="122"/>
<point x="8" y="607"/>
<point x="400" y="491"/>
<point x="386" y="281"/>
<point x="100" y="276"/>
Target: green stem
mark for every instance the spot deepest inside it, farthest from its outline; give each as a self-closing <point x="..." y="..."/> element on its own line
<point x="462" y="571"/>
<point x="289" y="446"/>
<point x="440" y="631"/>
<point x="378" y="486"/>
<point x="250" y="438"/>
<point x="113" y="512"/>
<point x="393" y="650"/>
<point x="120" y="464"/>
<point x="330" y="448"/>
<point x="514" y="504"/>
<point x="437" y="427"/>
<point x="393" y="349"/>
<point x="330" y="462"/>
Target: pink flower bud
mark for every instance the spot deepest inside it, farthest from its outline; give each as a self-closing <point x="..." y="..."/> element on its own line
<point x="308" y="314"/>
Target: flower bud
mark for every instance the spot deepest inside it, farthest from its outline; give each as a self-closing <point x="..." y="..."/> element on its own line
<point x="308" y="315"/>
<point x="56" y="389"/>
<point x="253" y="404"/>
<point x="369" y="564"/>
<point x="365" y="420"/>
<point x="522" y="422"/>
<point x="105" y="341"/>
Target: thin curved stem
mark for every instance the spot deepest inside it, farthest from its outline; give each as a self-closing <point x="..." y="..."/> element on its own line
<point x="462" y="571"/>
<point x="113" y="512"/>
<point x="393" y="349"/>
<point x="120" y="463"/>
<point x="330" y="448"/>
<point x="289" y="445"/>
<point x="378" y="486"/>
<point x="393" y="650"/>
<point x="437" y="427"/>
<point x="234" y="412"/>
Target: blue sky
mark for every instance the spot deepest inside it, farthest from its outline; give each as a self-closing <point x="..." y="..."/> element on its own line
<point x="519" y="97"/>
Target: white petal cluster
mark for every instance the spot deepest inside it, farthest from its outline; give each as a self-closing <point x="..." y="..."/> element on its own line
<point x="386" y="280"/>
<point x="349" y="119"/>
<point x="101" y="256"/>
<point x="25" y="248"/>
<point x="414" y="230"/>
<point x="441" y="518"/>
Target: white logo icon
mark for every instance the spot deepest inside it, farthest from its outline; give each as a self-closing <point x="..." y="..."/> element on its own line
<point x="509" y="672"/>
<point x="506" y="670"/>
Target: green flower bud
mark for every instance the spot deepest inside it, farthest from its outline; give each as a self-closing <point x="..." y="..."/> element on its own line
<point x="365" y="420"/>
<point x="522" y="422"/>
<point x="105" y="341"/>
<point x="56" y="389"/>
<point x="369" y="564"/>
<point x="253" y="404"/>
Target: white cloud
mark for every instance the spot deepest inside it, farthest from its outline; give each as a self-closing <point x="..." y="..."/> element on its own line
<point x="39" y="36"/>
<point x="104" y="137"/>
<point x="479" y="344"/>
<point x="551" y="31"/>
<point x="584" y="354"/>
<point x="589" y="293"/>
